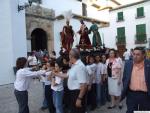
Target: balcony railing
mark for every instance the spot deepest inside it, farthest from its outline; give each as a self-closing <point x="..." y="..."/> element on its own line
<point x="119" y="19"/>
<point x="140" y="38"/>
<point x="37" y="1"/>
<point x="120" y="40"/>
<point x="139" y="16"/>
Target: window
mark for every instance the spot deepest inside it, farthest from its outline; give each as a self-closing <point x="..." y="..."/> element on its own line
<point x="84" y="9"/>
<point x="120" y="16"/>
<point x="121" y="35"/>
<point x="37" y="1"/>
<point x="140" y="12"/>
<point x="141" y="34"/>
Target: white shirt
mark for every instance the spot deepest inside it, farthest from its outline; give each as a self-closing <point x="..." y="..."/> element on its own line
<point x="59" y="84"/>
<point x="98" y="72"/>
<point x="120" y="61"/>
<point x="91" y="69"/>
<point x="104" y="69"/>
<point x="32" y="60"/>
<point x="126" y="55"/>
<point x="77" y="75"/>
<point x="45" y="78"/>
<point x="24" y="77"/>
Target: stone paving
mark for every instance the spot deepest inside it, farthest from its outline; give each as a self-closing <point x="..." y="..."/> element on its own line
<point x="8" y="103"/>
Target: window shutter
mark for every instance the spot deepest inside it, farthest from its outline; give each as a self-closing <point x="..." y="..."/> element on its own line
<point x="141" y="33"/>
<point x="120" y="16"/>
<point x="140" y="11"/>
<point x="141" y="29"/>
<point x="121" y="35"/>
<point x="121" y="31"/>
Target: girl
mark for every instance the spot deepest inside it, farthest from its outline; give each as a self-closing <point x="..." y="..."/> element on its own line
<point x="48" y="91"/>
<point x="57" y="87"/>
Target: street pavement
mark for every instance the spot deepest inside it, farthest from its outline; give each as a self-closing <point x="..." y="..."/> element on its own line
<point x="8" y="103"/>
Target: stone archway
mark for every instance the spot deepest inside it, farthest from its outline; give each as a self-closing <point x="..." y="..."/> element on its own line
<point x="42" y="18"/>
<point x="39" y="39"/>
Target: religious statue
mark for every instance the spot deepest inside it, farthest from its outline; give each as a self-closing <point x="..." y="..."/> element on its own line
<point x="84" y="38"/>
<point x="96" y="36"/>
<point x="67" y="35"/>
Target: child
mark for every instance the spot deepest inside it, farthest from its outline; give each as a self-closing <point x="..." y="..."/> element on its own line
<point x="48" y="91"/>
<point x="57" y="87"/>
<point x="24" y="76"/>
<point x="91" y="69"/>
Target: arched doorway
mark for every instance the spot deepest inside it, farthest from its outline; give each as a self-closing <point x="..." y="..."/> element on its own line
<point x="39" y="39"/>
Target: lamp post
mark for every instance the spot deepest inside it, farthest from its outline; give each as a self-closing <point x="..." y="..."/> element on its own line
<point x="149" y="43"/>
<point x="22" y="7"/>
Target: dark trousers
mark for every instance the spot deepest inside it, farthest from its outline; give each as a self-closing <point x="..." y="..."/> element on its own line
<point x="106" y="90"/>
<point x="103" y="93"/>
<point x="22" y="99"/>
<point x="137" y="101"/>
<point x="45" y="105"/>
<point x="91" y="97"/>
<point x="73" y="98"/>
<point x="66" y="100"/>
<point x="49" y="98"/>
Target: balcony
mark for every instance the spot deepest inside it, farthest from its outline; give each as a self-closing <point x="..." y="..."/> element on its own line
<point x="119" y="19"/>
<point x="37" y="1"/>
<point x="138" y="16"/>
<point x="140" y="38"/>
<point x="120" y="40"/>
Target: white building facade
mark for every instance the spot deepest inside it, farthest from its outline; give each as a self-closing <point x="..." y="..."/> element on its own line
<point x="129" y="26"/>
<point x="13" y="38"/>
<point x="14" y="42"/>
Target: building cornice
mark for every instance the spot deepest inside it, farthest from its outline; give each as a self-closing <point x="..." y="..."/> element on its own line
<point x="129" y="5"/>
<point x="79" y="17"/>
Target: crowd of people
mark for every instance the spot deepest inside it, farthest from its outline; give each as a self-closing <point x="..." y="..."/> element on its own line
<point x="72" y="85"/>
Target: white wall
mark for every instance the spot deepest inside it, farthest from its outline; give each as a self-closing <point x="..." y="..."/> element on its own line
<point x="100" y="15"/>
<point x="106" y="34"/>
<point x="28" y="45"/>
<point x="63" y="5"/>
<point x="13" y="41"/>
<point x="18" y="31"/>
<point x="129" y="23"/>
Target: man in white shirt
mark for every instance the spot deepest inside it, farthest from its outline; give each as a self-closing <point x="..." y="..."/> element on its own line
<point x="77" y="83"/>
<point x="126" y="55"/>
<point x="32" y="60"/>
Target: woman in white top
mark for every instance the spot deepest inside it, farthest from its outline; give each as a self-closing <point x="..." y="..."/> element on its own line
<point x="57" y="87"/>
<point x="24" y="76"/>
<point x="114" y="68"/>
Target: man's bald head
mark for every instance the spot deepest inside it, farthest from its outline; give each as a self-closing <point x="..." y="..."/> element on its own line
<point x="74" y="53"/>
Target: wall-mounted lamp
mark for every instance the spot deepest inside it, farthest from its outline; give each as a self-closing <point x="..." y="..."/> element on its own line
<point x="22" y="7"/>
